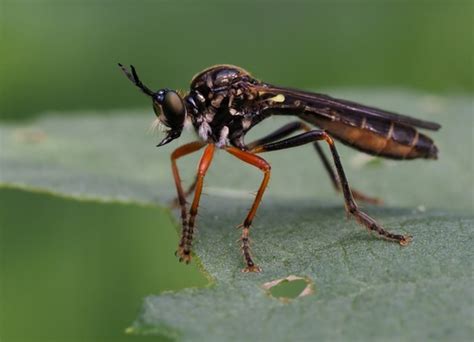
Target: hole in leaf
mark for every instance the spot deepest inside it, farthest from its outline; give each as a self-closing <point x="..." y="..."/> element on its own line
<point x="289" y="288"/>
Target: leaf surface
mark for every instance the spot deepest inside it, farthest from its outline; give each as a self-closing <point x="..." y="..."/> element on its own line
<point x="363" y="287"/>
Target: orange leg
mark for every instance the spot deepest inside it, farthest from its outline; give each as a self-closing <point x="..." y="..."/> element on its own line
<point x="175" y="203"/>
<point x="181" y="199"/>
<point x="259" y="162"/>
<point x="184" y="250"/>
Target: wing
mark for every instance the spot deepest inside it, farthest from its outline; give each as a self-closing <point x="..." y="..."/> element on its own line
<point x="327" y="106"/>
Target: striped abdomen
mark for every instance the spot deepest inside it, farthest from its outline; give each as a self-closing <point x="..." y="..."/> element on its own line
<point x="377" y="136"/>
<point x="369" y="129"/>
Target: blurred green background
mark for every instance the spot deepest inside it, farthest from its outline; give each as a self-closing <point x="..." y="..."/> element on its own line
<point x="78" y="270"/>
<point x="74" y="270"/>
<point x="62" y="54"/>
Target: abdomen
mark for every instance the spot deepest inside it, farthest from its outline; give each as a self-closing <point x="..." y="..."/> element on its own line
<point x="378" y="137"/>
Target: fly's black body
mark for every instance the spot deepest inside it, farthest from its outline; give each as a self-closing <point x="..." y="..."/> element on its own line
<point x="225" y="102"/>
<point x="223" y="105"/>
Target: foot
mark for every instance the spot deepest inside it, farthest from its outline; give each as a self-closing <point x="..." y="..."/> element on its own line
<point x="374" y="227"/>
<point x="252" y="269"/>
<point x="183" y="255"/>
<point x="405" y="241"/>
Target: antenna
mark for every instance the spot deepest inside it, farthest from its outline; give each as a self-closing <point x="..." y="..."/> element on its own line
<point x="134" y="78"/>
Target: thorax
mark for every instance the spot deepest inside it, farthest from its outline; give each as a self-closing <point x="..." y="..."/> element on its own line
<point x="222" y="104"/>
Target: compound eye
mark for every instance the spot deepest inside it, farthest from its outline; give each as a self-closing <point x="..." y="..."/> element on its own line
<point x="173" y="103"/>
<point x="159" y="96"/>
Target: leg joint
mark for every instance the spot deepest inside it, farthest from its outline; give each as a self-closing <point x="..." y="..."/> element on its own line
<point x="352" y="208"/>
<point x="328" y="138"/>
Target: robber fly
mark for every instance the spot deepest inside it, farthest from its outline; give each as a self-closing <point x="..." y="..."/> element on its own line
<point x="224" y="102"/>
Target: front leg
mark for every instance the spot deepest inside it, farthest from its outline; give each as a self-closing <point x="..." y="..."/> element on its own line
<point x="175" y="202"/>
<point x="181" y="199"/>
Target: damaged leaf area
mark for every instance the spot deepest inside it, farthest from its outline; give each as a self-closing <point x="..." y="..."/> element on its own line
<point x="357" y="286"/>
<point x="290" y="287"/>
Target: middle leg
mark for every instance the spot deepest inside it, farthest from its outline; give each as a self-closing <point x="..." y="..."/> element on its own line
<point x="259" y="162"/>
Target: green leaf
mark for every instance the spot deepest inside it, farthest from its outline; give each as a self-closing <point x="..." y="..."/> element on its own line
<point x="363" y="287"/>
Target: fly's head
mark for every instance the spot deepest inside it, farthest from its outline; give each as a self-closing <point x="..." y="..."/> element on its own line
<point x="170" y="109"/>
<point x="168" y="106"/>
